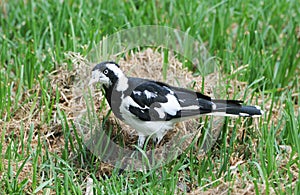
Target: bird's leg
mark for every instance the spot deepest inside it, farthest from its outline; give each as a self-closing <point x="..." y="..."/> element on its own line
<point x="158" y="137"/>
<point x="141" y="140"/>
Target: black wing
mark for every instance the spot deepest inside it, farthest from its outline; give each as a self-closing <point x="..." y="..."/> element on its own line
<point x="154" y="102"/>
<point x="188" y="97"/>
<point x="157" y="101"/>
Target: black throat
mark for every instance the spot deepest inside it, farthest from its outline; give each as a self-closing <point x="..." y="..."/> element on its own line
<point x="114" y="99"/>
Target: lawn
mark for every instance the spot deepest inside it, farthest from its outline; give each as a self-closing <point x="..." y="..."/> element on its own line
<point x="255" y="44"/>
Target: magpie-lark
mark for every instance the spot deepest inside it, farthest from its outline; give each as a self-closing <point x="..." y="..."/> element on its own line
<point x="152" y="108"/>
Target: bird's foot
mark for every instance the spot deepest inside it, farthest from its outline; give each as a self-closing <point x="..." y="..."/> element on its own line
<point x="141" y="141"/>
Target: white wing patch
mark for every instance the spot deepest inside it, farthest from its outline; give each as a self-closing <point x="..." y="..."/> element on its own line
<point x="150" y="94"/>
<point x="137" y="92"/>
<point x="128" y="101"/>
<point x="171" y="106"/>
<point x="192" y="107"/>
<point x="181" y="100"/>
<point x="160" y="112"/>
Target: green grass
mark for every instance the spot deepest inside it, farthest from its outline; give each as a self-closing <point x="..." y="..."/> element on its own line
<point x="262" y="36"/>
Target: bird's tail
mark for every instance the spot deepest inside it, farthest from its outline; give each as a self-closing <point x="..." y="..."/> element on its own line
<point x="234" y="108"/>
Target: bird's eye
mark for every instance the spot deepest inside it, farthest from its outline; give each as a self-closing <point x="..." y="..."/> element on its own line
<point x="105" y="71"/>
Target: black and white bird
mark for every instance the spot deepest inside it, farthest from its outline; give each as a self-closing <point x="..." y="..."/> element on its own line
<point x="152" y="108"/>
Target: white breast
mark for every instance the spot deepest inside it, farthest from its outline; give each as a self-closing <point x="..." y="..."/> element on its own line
<point x="142" y="127"/>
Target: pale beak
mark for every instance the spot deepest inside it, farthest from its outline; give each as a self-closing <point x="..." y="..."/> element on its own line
<point x="92" y="81"/>
<point x="98" y="76"/>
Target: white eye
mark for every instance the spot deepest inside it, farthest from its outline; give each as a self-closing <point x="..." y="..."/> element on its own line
<point x="105" y="71"/>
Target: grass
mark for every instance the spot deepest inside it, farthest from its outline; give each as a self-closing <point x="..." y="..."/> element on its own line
<point x="254" y="41"/>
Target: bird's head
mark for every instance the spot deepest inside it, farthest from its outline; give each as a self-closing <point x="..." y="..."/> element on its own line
<point x="107" y="73"/>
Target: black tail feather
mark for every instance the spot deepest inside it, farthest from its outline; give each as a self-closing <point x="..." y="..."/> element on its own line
<point x="235" y="107"/>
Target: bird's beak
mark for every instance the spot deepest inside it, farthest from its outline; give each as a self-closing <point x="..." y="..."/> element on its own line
<point x="98" y="76"/>
<point x="92" y="81"/>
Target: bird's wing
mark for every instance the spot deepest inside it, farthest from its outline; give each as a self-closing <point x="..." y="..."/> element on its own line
<point x="154" y="101"/>
<point x="193" y="103"/>
<point x="157" y="101"/>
